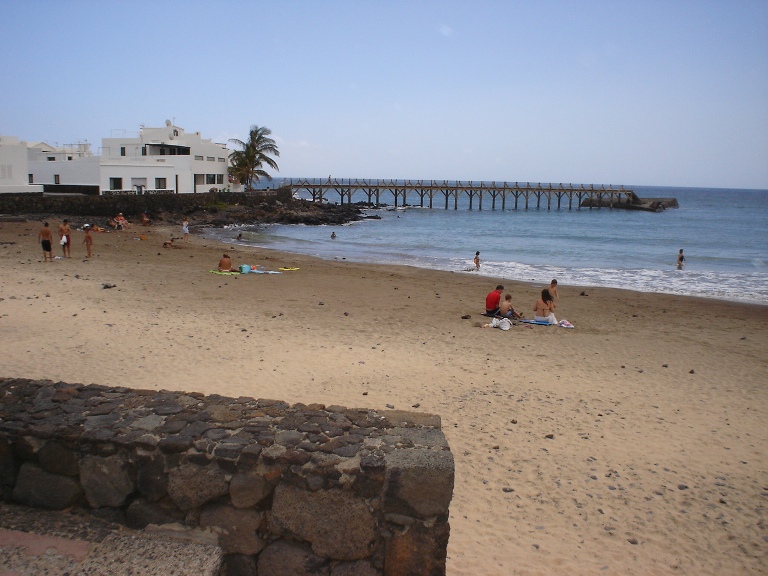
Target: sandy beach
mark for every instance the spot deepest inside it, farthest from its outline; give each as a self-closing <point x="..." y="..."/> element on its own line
<point x="634" y="443"/>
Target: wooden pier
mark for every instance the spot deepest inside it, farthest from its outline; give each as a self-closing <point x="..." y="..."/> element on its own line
<point x="502" y="195"/>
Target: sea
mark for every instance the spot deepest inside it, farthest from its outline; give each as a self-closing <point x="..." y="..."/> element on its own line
<point x="724" y="234"/>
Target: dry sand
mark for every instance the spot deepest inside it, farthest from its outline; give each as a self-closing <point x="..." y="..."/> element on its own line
<point x="632" y="444"/>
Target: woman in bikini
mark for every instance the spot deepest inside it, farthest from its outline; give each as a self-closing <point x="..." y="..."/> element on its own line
<point x="544" y="308"/>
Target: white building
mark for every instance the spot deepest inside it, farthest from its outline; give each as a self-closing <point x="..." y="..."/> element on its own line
<point x="14" y="167"/>
<point x="159" y="160"/>
<point x="68" y="165"/>
<point x="163" y="160"/>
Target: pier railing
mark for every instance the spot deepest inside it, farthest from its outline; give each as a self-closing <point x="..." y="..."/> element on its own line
<point x="446" y="192"/>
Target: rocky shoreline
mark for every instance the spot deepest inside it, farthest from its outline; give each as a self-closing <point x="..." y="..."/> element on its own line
<point x="213" y="209"/>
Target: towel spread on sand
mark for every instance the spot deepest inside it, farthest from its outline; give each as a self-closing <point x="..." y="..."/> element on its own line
<point x="537" y="322"/>
<point x="239" y="273"/>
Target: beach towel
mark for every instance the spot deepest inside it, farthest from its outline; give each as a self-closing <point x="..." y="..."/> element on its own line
<point x="288" y="269"/>
<point x="537" y="322"/>
<point x="225" y="273"/>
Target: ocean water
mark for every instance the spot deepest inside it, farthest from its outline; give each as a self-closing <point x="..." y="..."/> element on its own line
<point x="724" y="234"/>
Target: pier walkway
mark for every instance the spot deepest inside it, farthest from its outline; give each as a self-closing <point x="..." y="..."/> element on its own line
<point x="446" y="193"/>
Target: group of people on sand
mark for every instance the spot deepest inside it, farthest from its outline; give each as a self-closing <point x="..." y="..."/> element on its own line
<point x="45" y="237"/>
<point x="543" y="308"/>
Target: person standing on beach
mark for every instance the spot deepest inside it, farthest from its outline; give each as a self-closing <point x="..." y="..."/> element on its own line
<point x="553" y="289"/>
<point x="45" y="237"/>
<point x="65" y="233"/>
<point x="492" y="301"/>
<point x="185" y="229"/>
<point x="88" y="240"/>
<point x="477" y="260"/>
<point x="680" y="259"/>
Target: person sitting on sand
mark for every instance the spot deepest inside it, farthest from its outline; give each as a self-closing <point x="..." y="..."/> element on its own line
<point x="492" y="301"/>
<point x="506" y="310"/>
<point x="225" y="264"/>
<point x="121" y="223"/>
<point x="544" y="308"/>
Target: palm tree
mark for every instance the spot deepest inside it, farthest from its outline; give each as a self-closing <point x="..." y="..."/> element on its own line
<point x="247" y="165"/>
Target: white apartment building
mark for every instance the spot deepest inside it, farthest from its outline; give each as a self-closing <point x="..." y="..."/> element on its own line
<point x="14" y="167"/>
<point x="159" y="160"/>
<point x="163" y="160"/>
<point x="68" y="165"/>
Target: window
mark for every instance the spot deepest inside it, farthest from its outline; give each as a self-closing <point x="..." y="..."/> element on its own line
<point x="143" y="150"/>
<point x="115" y="183"/>
<point x="211" y="159"/>
<point x="122" y="150"/>
<point x="221" y="160"/>
<point x="160" y="184"/>
<point x="210" y="178"/>
<point x="219" y="178"/>
<point x="51" y="158"/>
<point x="56" y="179"/>
<point x="162" y="151"/>
<point x="31" y="178"/>
<point x="69" y="157"/>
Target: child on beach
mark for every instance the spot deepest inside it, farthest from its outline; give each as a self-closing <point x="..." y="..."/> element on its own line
<point x="506" y="310"/>
<point x="553" y="289"/>
<point x="185" y="229"/>
<point x="88" y="240"/>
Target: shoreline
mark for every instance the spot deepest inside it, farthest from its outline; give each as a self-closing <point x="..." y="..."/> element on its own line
<point x="632" y="444"/>
<point x="490" y="277"/>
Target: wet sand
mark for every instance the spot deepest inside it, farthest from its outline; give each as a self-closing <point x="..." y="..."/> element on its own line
<point x="632" y="444"/>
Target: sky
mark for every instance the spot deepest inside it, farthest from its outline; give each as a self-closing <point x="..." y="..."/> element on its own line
<point x="632" y="92"/>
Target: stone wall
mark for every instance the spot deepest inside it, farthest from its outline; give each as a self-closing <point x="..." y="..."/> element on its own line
<point x="133" y="205"/>
<point x="283" y="489"/>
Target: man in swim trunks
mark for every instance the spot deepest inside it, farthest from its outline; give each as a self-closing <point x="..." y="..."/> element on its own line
<point x="492" y="301"/>
<point x="45" y="237"/>
<point x="66" y="232"/>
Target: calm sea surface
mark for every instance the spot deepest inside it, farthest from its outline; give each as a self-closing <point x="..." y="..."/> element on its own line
<point x="724" y="234"/>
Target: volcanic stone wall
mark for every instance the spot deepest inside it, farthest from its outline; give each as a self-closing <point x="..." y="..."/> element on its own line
<point x="299" y="489"/>
<point x="133" y="205"/>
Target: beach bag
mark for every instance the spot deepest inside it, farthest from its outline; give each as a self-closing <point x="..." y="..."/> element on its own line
<point x="63" y="240"/>
<point x="244" y="268"/>
<point x="505" y="324"/>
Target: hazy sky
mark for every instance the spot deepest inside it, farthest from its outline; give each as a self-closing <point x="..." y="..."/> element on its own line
<point x="668" y="92"/>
